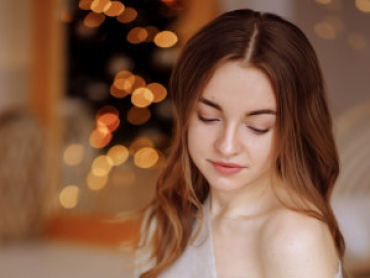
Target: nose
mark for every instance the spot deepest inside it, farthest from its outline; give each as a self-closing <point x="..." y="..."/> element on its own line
<point x="228" y="142"/>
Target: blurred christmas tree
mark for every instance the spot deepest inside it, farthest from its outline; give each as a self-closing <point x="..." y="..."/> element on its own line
<point x="120" y="55"/>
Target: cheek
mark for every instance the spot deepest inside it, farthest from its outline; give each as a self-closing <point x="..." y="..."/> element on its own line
<point x="265" y="148"/>
<point x="198" y="138"/>
<point x="193" y="132"/>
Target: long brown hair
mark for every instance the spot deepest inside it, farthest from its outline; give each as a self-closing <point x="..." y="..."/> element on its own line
<point x="307" y="161"/>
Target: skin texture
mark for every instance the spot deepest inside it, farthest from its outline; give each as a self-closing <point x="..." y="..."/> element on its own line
<point x="231" y="139"/>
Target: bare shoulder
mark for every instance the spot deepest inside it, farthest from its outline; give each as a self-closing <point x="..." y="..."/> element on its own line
<point x="296" y="245"/>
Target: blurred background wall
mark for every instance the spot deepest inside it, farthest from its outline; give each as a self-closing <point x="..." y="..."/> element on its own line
<point x="15" y="52"/>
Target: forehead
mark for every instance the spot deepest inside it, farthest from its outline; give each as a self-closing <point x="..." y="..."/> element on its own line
<point x="240" y="86"/>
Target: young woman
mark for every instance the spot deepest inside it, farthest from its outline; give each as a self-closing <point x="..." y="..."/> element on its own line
<point x="246" y="190"/>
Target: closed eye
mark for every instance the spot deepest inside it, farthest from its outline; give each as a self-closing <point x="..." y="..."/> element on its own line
<point x="258" y="130"/>
<point x="207" y="120"/>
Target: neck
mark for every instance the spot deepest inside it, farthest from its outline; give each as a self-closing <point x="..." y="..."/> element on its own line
<point x="251" y="200"/>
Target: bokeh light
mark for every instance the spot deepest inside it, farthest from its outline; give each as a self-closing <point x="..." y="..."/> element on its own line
<point x="85" y="4"/>
<point x="336" y="22"/>
<point x="165" y="39"/>
<point x="117" y="93"/>
<point x="116" y="8"/>
<point x="140" y="142"/>
<point x="100" y="6"/>
<point x="69" y="196"/>
<point x="139" y="82"/>
<point x="118" y="154"/>
<point x="128" y="15"/>
<point x="158" y="90"/>
<point x="123" y="177"/>
<point x="74" y="154"/>
<point x="146" y="157"/>
<point x="124" y="81"/>
<point x="95" y="182"/>
<point x="113" y="52"/>
<point x="97" y="90"/>
<point x="119" y="62"/>
<point x="152" y="32"/>
<point x="137" y="35"/>
<point x="142" y="97"/>
<point x="138" y="116"/>
<point x="325" y="30"/>
<point x="93" y="20"/>
<point x="100" y="137"/>
<point x="363" y="5"/>
<point x="102" y="165"/>
<point x="357" y="41"/>
<point x="108" y="116"/>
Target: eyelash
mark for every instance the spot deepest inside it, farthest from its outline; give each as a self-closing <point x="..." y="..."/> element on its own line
<point x="258" y="131"/>
<point x="211" y="120"/>
<point x="207" y="120"/>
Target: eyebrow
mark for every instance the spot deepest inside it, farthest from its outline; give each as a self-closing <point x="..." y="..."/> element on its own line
<point x="251" y="113"/>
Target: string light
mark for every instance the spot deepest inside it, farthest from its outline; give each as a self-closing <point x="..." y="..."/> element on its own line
<point x="141" y="150"/>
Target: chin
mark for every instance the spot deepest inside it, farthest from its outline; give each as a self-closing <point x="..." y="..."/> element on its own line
<point x="226" y="186"/>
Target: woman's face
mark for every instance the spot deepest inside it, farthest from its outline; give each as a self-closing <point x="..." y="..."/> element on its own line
<point x="231" y="132"/>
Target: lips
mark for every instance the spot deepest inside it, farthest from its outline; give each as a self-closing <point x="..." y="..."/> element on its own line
<point x="227" y="168"/>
